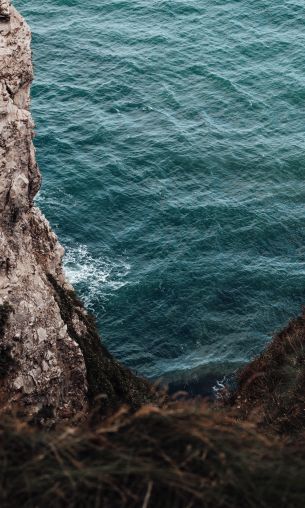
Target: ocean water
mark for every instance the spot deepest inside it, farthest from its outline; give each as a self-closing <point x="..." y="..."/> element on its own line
<point x="171" y="138"/>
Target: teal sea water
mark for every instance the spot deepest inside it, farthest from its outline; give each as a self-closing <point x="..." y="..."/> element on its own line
<point x="171" y="138"/>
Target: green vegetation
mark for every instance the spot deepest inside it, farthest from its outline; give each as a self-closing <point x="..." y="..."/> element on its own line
<point x="105" y="375"/>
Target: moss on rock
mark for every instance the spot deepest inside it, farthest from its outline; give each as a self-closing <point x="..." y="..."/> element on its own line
<point x="109" y="382"/>
<point x="6" y="360"/>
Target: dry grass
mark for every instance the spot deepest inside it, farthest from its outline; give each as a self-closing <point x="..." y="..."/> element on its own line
<point x="271" y="389"/>
<point x="184" y="456"/>
<point x="178" y="455"/>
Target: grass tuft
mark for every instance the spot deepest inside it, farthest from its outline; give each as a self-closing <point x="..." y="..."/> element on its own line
<point x="182" y="456"/>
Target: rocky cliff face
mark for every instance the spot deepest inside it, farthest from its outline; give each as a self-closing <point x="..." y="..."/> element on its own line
<point x="52" y="364"/>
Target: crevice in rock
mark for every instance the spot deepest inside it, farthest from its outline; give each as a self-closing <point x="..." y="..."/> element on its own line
<point x="9" y="90"/>
<point x="5" y="311"/>
<point x="6" y="360"/>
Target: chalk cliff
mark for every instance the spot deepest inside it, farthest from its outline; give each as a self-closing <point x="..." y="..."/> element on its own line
<point x="52" y="363"/>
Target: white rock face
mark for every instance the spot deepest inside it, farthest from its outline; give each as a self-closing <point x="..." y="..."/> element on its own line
<point x="42" y="369"/>
<point x="52" y="363"/>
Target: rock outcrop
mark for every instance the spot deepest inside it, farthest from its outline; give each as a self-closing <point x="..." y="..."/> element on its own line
<point x="4" y="10"/>
<point x="52" y="363"/>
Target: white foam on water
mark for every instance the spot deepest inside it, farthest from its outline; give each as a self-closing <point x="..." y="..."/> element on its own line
<point x="95" y="277"/>
<point x="57" y="199"/>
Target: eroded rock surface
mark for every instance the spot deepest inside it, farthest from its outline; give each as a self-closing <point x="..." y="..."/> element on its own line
<point x="51" y="360"/>
<point x="42" y="367"/>
<point x="4" y="10"/>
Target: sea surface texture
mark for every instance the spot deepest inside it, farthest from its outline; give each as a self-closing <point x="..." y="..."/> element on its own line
<point x="171" y="138"/>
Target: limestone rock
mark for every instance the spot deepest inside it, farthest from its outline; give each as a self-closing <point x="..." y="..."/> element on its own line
<point x="52" y="363"/>
<point x="41" y="367"/>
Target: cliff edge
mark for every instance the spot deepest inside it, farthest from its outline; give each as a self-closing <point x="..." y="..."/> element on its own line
<point x="248" y="450"/>
<point x="52" y="362"/>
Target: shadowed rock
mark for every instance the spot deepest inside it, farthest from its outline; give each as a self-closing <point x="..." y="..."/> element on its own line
<point x="4" y="10"/>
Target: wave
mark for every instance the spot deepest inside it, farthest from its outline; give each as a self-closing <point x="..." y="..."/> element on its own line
<point x="95" y="277"/>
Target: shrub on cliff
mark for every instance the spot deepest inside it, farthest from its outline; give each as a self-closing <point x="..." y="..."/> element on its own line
<point x="271" y="388"/>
